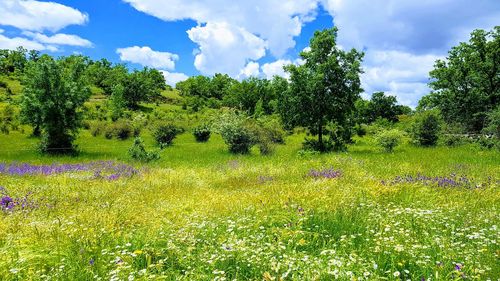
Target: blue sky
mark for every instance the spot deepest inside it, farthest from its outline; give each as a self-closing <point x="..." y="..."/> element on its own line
<point x="401" y="38"/>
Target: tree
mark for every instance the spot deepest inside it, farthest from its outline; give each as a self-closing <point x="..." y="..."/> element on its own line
<point x="136" y="87"/>
<point x="53" y="94"/>
<point x="467" y="84"/>
<point x="324" y="89"/>
<point x="426" y="127"/>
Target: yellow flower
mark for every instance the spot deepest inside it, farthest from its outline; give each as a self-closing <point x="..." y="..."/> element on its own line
<point x="302" y="242"/>
<point x="137" y="252"/>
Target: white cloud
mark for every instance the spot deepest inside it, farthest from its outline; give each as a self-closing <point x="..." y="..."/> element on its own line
<point x="402" y="39"/>
<point x="13" y="43"/>
<point x="59" y="39"/>
<point x="252" y="69"/>
<point x="397" y="73"/>
<point x="225" y="48"/>
<point x="147" y="57"/>
<point x="39" y="16"/>
<point x="172" y="78"/>
<point x="275" y="69"/>
<point x="275" y="21"/>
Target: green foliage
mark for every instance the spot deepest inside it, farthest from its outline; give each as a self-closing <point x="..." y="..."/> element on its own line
<point x="138" y="152"/>
<point x="426" y="128"/>
<point x="9" y="119"/>
<point x="390" y="139"/>
<point x="165" y="133"/>
<point x="236" y="132"/>
<point x="272" y="128"/>
<point x="323" y="89"/>
<point x="493" y="123"/>
<point x="54" y="93"/>
<point x="97" y="128"/>
<point x="13" y="62"/>
<point x="467" y="84"/>
<point x="202" y="133"/>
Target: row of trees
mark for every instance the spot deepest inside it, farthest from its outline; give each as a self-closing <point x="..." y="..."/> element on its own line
<point x="322" y="94"/>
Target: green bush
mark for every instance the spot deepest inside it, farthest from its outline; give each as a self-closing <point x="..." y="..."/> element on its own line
<point x="426" y="128"/>
<point x="97" y="128"/>
<point x="122" y="130"/>
<point x="138" y="152"/>
<point x="164" y="134"/>
<point x="454" y="140"/>
<point x="390" y="139"/>
<point x="272" y="129"/>
<point x="202" y="133"/>
<point x="236" y="133"/>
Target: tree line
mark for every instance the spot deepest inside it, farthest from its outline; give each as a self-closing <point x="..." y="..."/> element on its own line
<point x="322" y="94"/>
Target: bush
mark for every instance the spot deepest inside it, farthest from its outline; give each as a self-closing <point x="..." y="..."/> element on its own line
<point x="272" y="129"/>
<point x="202" y="133"/>
<point x="486" y="142"/>
<point x="164" y="134"/>
<point x="122" y="130"/>
<point x="236" y="133"/>
<point x="425" y="129"/>
<point x="314" y="145"/>
<point x="390" y="139"/>
<point x="266" y="147"/>
<point x="138" y="152"/>
<point x="453" y="140"/>
<point x="96" y="128"/>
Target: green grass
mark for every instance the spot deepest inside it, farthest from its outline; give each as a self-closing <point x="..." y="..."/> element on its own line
<point x="200" y="213"/>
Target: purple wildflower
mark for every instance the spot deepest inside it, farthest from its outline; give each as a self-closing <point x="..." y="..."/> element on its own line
<point x="325" y="173"/>
<point x="91" y="262"/>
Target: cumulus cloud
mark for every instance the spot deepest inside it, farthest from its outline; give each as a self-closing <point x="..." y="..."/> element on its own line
<point x="398" y="73"/>
<point x="275" y="21"/>
<point x="38" y="15"/>
<point x="13" y="43"/>
<point x="275" y="69"/>
<point x="145" y="56"/>
<point x="172" y="78"/>
<point x="59" y="39"/>
<point x="225" y="48"/>
<point x="252" y="69"/>
<point x="402" y="39"/>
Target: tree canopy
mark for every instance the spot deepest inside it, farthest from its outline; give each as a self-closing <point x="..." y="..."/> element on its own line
<point x="467" y="83"/>
<point x="324" y="89"/>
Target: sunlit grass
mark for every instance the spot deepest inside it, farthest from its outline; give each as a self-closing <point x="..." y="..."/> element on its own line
<point x="200" y="213"/>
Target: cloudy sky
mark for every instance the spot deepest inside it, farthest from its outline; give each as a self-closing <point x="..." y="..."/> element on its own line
<point x="401" y="38"/>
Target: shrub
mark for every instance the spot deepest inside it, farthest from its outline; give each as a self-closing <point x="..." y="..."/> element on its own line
<point x="138" y="152"/>
<point x="96" y="128"/>
<point x="266" y="147"/>
<point x="236" y="133"/>
<point x="493" y="125"/>
<point x="425" y="129"/>
<point x="202" y="133"/>
<point x="164" y="134"/>
<point x="311" y="144"/>
<point x="390" y="139"/>
<point x="487" y="142"/>
<point x="453" y="140"/>
<point x="272" y="129"/>
<point x="122" y="130"/>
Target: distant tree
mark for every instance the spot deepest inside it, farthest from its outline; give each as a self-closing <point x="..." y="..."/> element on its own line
<point x="53" y="95"/>
<point x="324" y="89"/>
<point x="13" y="61"/>
<point x="467" y="83"/>
<point x="137" y="87"/>
<point x="247" y="94"/>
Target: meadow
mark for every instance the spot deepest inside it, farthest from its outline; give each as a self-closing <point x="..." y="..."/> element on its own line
<point x="201" y="213"/>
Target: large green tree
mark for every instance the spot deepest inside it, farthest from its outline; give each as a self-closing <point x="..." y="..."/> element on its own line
<point x="324" y="89"/>
<point x="53" y="94"/>
<point x="467" y="83"/>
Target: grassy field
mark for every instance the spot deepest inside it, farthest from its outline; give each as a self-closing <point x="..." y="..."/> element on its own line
<point x="200" y="213"/>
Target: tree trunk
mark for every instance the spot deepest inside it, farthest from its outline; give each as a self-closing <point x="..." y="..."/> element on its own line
<point x="320" y="136"/>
